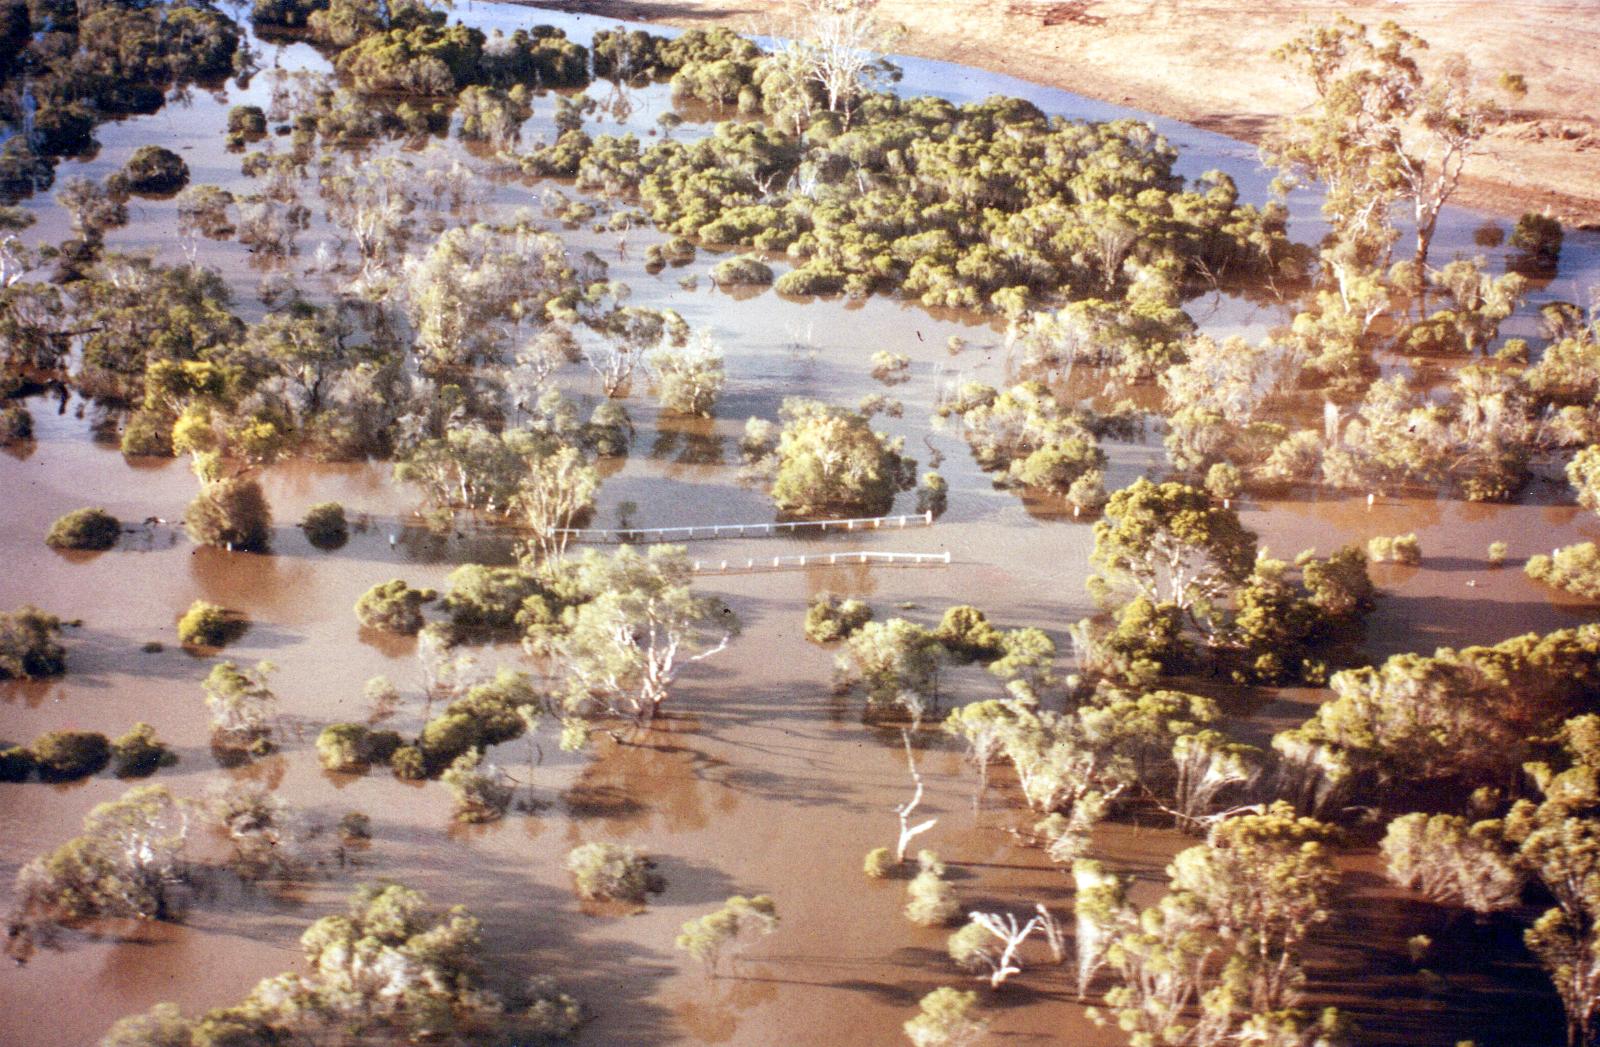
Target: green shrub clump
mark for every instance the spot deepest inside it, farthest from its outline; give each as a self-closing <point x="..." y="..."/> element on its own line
<point x="482" y="793"/>
<point x="830" y="619"/>
<point x="139" y="753"/>
<point x="1538" y="237"/>
<point x="325" y="525"/>
<point x="879" y="863"/>
<point x="930" y="900"/>
<point x="744" y="270"/>
<point x="16" y="425"/>
<point x="207" y="624"/>
<point x="613" y="872"/>
<point x="1401" y="549"/>
<point x="965" y="632"/>
<point x="28" y="647"/>
<point x="393" y="607"/>
<point x="90" y="529"/>
<point x="152" y="169"/>
<point x="62" y="756"/>
<point x="247" y="122"/>
<point x="408" y="764"/>
<point x="353" y="747"/>
<point x="1574" y="568"/>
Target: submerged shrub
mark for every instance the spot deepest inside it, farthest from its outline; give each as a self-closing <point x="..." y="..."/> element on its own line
<point x="90" y="529"/>
<point x="16" y="425"/>
<point x="28" y="646"/>
<point x="613" y="872"/>
<point x="152" y="169"/>
<point x="408" y="764"/>
<point x="355" y="826"/>
<point x="965" y="632"/>
<point x="879" y="863"/>
<point x="1538" y="238"/>
<point x="887" y="366"/>
<point x="352" y="747"/>
<point x="207" y="624"/>
<point x="945" y="1019"/>
<point x="930" y="900"/>
<point x="139" y="753"/>
<point x="62" y="756"/>
<point x="481" y="792"/>
<point x="325" y="525"/>
<point x="343" y="747"/>
<point x="393" y="606"/>
<point x="1401" y="549"/>
<point x="16" y="763"/>
<point x="486" y="600"/>
<point x="1574" y="568"/>
<point x="744" y="270"/>
<point x="246" y="122"/>
<point x="830" y="619"/>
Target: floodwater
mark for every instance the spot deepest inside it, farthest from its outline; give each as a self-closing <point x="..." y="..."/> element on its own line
<point x="758" y="780"/>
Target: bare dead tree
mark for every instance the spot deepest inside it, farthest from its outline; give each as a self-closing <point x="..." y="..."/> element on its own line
<point x="909" y="832"/>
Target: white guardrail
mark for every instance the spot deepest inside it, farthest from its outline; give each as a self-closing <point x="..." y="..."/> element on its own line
<point x="794" y="563"/>
<point x="707" y="532"/>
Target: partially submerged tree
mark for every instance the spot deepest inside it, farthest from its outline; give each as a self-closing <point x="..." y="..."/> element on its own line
<point x="688" y="381"/>
<point x="1171" y="543"/>
<point x="242" y="708"/>
<point x="230" y="512"/>
<point x="829" y="462"/>
<point x="1384" y="129"/>
<point x="1219" y="953"/>
<point x="946" y="1019"/>
<point x="264" y="835"/>
<point x="391" y="968"/>
<point x="708" y="937"/>
<point x="839" y="44"/>
<point x="481" y="790"/>
<point x="126" y="863"/>
<point x="639" y="625"/>
<point x="1452" y="862"/>
<point x="991" y="941"/>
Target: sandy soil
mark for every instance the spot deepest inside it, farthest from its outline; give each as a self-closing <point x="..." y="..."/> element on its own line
<point x="1208" y="63"/>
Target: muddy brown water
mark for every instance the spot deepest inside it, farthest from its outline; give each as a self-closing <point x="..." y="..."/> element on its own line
<point x="759" y="780"/>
